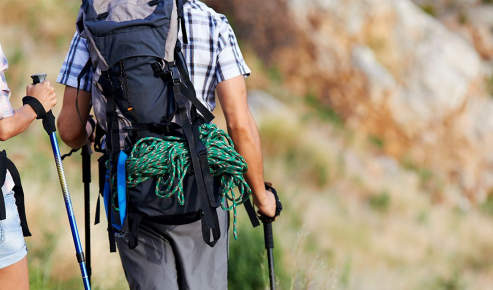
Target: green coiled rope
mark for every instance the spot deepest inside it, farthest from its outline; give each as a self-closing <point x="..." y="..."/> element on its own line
<point x="168" y="159"/>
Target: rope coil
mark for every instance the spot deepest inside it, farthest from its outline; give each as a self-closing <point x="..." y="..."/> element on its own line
<point x="168" y="159"/>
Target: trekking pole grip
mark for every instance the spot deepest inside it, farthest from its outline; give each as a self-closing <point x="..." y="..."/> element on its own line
<point x="49" y="120"/>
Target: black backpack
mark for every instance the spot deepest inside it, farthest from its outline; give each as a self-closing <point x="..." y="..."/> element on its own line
<point x="142" y="93"/>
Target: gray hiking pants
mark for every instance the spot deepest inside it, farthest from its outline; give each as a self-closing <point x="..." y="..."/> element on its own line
<point x="176" y="257"/>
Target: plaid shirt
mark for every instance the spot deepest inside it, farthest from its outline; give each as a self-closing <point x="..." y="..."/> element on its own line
<point x="212" y="53"/>
<point x="5" y="111"/>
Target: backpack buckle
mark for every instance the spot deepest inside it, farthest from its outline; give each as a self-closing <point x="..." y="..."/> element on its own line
<point x="161" y="70"/>
<point x="201" y="150"/>
<point x="175" y="75"/>
<point x="159" y="128"/>
<point x="167" y="71"/>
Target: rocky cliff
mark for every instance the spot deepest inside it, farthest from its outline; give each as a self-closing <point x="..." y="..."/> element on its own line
<point x="417" y="78"/>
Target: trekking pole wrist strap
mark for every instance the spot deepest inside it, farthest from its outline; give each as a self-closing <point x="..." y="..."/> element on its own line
<point x="36" y="105"/>
<point x="266" y="219"/>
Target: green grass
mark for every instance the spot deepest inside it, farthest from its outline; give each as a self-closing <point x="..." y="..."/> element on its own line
<point x="378" y="142"/>
<point x="380" y="202"/>
<point x="322" y="112"/>
<point x="425" y="174"/>
<point x="248" y="267"/>
<point x="489" y="85"/>
<point x="487" y="205"/>
<point x="452" y="281"/>
<point x="429" y="9"/>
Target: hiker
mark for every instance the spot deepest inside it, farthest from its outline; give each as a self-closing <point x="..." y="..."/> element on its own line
<point x="180" y="255"/>
<point x="13" y="227"/>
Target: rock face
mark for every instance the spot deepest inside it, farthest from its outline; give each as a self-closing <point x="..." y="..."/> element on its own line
<point x="392" y="71"/>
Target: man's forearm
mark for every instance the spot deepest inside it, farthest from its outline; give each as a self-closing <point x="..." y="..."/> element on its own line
<point x="71" y="129"/>
<point x="247" y="143"/>
<point x="243" y="130"/>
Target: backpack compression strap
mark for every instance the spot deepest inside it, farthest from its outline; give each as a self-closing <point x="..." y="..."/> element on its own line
<point x="186" y="86"/>
<point x="112" y="146"/>
<point x="198" y="153"/>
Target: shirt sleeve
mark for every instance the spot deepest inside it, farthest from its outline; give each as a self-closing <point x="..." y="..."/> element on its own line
<point x="230" y="62"/>
<point x="76" y="59"/>
<point x="6" y="109"/>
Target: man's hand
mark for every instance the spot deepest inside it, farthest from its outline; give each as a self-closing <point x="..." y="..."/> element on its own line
<point x="44" y="92"/>
<point x="266" y="203"/>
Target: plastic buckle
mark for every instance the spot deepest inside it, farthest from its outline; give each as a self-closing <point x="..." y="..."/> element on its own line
<point x="202" y="153"/>
<point x="175" y="75"/>
<point x="157" y="128"/>
<point x="161" y="69"/>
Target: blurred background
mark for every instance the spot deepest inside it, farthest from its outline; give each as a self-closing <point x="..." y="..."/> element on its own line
<point x="376" y="123"/>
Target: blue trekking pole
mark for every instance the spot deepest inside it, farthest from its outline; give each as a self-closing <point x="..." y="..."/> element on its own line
<point x="49" y="126"/>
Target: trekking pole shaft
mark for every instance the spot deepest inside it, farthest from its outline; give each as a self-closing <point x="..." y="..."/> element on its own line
<point x="269" y="245"/>
<point x="49" y="126"/>
<point x="86" y="179"/>
<point x="70" y="211"/>
<point x="272" y="276"/>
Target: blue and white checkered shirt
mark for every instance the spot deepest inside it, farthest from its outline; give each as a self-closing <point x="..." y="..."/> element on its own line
<point x="212" y="53"/>
<point x="6" y="111"/>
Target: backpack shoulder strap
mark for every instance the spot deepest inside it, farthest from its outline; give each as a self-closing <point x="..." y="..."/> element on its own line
<point x="181" y="19"/>
<point x="187" y="88"/>
<point x="7" y="164"/>
<point x="3" y="172"/>
<point x="19" y="197"/>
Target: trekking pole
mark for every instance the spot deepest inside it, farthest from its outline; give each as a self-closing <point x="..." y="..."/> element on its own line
<point x="268" y="237"/>
<point x="86" y="179"/>
<point x="269" y="246"/>
<point x="49" y="126"/>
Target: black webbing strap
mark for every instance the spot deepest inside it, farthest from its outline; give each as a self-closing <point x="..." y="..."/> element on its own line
<point x="102" y="180"/>
<point x="181" y="19"/>
<point x="152" y="127"/>
<point x="251" y="213"/>
<point x="83" y="72"/>
<point x="182" y="67"/>
<point x="187" y="87"/>
<point x="209" y="216"/>
<point x="206" y="232"/>
<point x="97" y="215"/>
<point x="266" y="219"/>
<point x="186" y="91"/>
<point x="134" y="220"/>
<point x="100" y="133"/>
<point x="19" y="197"/>
<point x="7" y="164"/>
<point x="113" y="140"/>
<point x="36" y="105"/>
<point x="209" y="185"/>
<point x="204" y="164"/>
<point x="3" y="173"/>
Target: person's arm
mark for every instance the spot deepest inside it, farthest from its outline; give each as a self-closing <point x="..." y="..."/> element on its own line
<point x="243" y="130"/>
<point x="71" y="129"/>
<point x="23" y="117"/>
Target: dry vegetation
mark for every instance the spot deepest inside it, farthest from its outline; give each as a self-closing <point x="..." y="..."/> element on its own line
<point x="354" y="217"/>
